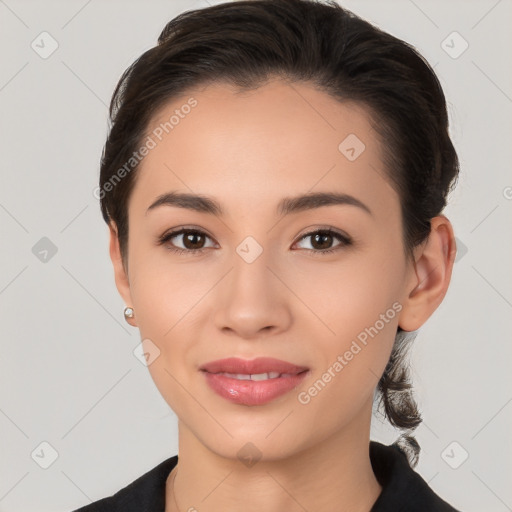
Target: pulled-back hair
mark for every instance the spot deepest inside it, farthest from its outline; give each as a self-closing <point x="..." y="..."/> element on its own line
<point x="247" y="43"/>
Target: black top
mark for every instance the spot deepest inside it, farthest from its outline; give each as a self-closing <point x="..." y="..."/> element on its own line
<point x="402" y="488"/>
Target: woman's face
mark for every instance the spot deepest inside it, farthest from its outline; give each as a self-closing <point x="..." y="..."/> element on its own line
<point x="260" y="287"/>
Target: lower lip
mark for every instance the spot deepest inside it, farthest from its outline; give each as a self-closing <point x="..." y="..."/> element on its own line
<point x="252" y="392"/>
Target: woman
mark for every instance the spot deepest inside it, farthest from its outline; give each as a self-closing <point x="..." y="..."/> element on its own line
<point x="273" y="182"/>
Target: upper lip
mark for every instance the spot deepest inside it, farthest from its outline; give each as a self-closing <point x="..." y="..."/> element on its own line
<point x="251" y="367"/>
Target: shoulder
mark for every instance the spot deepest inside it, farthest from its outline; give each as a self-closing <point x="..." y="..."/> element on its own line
<point x="146" y="493"/>
<point x="402" y="488"/>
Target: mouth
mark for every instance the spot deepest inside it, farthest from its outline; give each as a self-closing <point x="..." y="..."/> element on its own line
<point x="252" y="382"/>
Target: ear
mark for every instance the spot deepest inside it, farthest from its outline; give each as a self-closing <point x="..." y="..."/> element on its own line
<point x="430" y="276"/>
<point x="120" y="273"/>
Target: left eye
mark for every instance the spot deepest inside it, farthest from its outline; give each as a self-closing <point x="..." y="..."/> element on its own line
<point x="322" y="240"/>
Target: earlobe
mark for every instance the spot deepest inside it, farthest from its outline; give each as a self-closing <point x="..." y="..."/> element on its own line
<point x="430" y="276"/>
<point x="120" y="273"/>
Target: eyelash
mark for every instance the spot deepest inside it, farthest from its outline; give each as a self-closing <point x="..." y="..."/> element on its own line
<point x="345" y="241"/>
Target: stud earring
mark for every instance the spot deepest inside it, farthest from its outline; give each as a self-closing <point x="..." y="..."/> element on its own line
<point x="128" y="313"/>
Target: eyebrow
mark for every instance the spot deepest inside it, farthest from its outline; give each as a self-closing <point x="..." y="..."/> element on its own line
<point x="286" y="206"/>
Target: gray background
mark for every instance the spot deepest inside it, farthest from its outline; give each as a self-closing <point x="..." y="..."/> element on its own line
<point x="68" y="375"/>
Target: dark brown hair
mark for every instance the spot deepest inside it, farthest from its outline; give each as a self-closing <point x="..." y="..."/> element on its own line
<point x="245" y="44"/>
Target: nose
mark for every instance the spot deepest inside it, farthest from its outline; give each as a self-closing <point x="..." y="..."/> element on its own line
<point x="252" y="300"/>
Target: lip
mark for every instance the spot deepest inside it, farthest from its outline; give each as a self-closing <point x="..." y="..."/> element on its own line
<point x="252" y="366"/>
<point x="249" y="392"/>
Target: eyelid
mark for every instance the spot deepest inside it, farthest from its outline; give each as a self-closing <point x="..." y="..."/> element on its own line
<point x="328" y="229"/>
<point x="180" y="230"/>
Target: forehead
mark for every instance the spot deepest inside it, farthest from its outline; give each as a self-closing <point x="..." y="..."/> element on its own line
<point x="279" y="139"/>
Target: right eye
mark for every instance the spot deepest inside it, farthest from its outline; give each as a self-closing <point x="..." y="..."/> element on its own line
<point x="192" y="240"/>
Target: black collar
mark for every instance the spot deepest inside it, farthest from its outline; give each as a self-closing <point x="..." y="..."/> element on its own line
<point x="402" y="488"/>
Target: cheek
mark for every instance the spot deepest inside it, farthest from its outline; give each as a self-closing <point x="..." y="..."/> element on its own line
<point x="351" y="361"/>
<point x="169" y="300"/>
<point x="165" y="289"/>
<point x="166" y="306"/>
<point x="349" y="294"/>
<point x="357" y="308"/>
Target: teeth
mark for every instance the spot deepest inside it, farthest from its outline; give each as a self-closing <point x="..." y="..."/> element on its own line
<point x="256" y="376"/>
<point x="238" y="376"/>
<point x="265" y="376"/>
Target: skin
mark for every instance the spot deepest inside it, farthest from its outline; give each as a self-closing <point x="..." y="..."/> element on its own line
<point x="248" y="151"/>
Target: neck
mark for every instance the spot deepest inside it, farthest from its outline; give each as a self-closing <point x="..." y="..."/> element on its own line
<point x="334" y="474"/>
